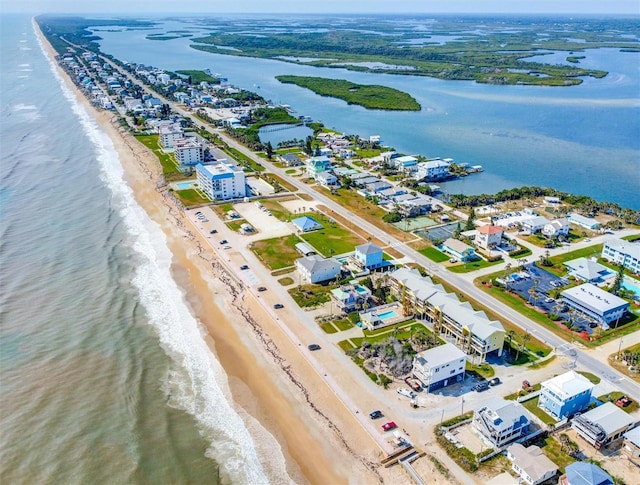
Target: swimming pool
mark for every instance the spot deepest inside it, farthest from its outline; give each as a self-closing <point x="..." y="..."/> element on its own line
<point x="631" y="285"/>
<point x="387" y="315"/>
<point x="185" y="185"/>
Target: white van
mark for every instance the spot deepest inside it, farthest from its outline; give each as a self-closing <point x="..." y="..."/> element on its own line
<point x="405" y="392"/>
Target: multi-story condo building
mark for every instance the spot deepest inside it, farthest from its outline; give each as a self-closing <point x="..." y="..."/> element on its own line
<point x="221" y="180"/>
<point x="623" y="253"/>
<point x="169" y="134"/>
<point x="188" y="151"/>
<point x="595" y="303"/>
<point x="471" y="330"/>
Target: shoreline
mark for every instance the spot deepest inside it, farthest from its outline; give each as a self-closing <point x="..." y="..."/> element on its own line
<point x="298" y="412"/>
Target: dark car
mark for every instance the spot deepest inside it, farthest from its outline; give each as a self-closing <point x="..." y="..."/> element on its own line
<point x="262" y="288"/>
<point x="244" y="266"/>
<point x="213" y="231"/>
<point x="224" y="241"/>
<point x="376" y="414"/>
<point x="277" y="306"/>
<point x="313" y="347"/>
<point x="482" y="386"/>
<point x="495" y="381"/>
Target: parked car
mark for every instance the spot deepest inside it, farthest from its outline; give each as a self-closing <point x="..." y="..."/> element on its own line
<point x="623" y="402"/>
<point x="495" y="381"/>
<point x="224" y="241"/>
<point x="244" y="266"/>
<point x="262" y="288"/>
<point x="482" y="386"/>
<point x="213" y="231"/>
<point x="313" y="347"/>
<point x="277" y="306"/>
<point x="227" y="247"/>
<point x="388" y="426"/>
<point x="375" y="414"/>
<point x="405" y="392"/>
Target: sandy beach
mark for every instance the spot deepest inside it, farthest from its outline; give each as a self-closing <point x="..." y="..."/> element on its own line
<point x="270" y="380"/>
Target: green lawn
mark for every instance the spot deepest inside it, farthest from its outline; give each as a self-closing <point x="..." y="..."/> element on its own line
<point x="332" y="238"/>
<point x="594" y="379"/>
<point x="615" y="395"/>
<point x="532" y="407"/>
<point x="343" y="324"/>
<point x="310" y="296"/>
<point x="434" y="254"/>
<point x="190" y="197"/>
<point x="168" y="162"/>
<point x="328" y="327"/>
<point x="485" y="370"/>
<point x="277" y="253"/>
<point x="472" y="266"/>
<point x="523" y="254"/>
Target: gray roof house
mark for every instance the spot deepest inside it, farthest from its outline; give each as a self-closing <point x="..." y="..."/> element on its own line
<point x="531" y="464"/>
<point x="316" y="269"/>
<point x="501" y="422"/>
<point x="602" y="425"/>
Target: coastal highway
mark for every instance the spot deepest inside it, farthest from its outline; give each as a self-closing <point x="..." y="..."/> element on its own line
<point x="584" y="357"/>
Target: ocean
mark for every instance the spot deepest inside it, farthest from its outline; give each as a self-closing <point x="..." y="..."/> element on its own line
<point x="582" y="139"/>
<point x="105" y="376"/>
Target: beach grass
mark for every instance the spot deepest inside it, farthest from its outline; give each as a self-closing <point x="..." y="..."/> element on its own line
<point x="331" y="239"/>
<point x="169" y="165"/>
<point x="473" y="266"/>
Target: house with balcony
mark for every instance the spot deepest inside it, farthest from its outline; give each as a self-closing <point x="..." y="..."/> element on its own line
<point x="350" y="297"/>
<point x="631" y="446"/>
<point x="602" y="425"/>
<point x="316" y="165"/>
<point x="501" y="422"/>
<point x="534" y="224"/>
<point x="531" y="464"/>
<point x="316" y="269"/>
<point x="439" y="366"/>
<point x="459" y="250"/>
<point x="488" y="237"/>
<point x="188" y="151"/>
<point x="565" y="395"/>
<point x="368" y="256"/>
<point x="621" y="252"/>
<point x="432" y="170"/>
<point x="327" y="179"/>
<point x="221" y="180"/>
<point x="405" y="163"/>
<point x="169" y="133"/>
<point x="471" y="330"/>
<point x="556" y="228"/>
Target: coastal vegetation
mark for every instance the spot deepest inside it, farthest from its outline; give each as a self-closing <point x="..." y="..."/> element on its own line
<point x="197" y="77"/>
<point x="365" y="95"/>
<point x="508" y="52"/>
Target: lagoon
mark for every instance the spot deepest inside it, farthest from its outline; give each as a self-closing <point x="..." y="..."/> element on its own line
<point x="582" y="139"/>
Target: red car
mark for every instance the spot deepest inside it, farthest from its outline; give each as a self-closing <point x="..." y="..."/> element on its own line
<point x="623" y="402"/>
<point x="389" y="425"/>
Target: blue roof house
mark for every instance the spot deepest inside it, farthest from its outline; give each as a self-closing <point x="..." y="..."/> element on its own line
<point x="369" y="256"/>
<point x="583" y="473"/>
<point x="306" y="224"/>
<point x="565" y="395"/>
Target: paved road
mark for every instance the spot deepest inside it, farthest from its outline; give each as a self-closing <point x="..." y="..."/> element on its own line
<point x="585" y="357"/>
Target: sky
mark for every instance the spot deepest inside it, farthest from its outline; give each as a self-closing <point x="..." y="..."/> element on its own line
<point x="324" y="6"/>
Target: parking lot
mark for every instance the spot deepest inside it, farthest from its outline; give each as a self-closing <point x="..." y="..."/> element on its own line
<point x="532" y="275"/>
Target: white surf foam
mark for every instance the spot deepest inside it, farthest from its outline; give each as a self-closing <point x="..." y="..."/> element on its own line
<point x="197" y="381"/>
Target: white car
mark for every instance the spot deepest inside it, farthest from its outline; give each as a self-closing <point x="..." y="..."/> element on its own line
<point x="403" y="391"/>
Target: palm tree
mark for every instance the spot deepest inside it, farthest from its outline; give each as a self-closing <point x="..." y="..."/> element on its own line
<point x="510" y="336"/>
<point x="507" y="268"/>
<point x="564" y="440"/>
<point x="525" y="338"/>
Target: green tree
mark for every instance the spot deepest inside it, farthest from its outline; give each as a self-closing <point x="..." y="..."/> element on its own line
<point x="269" y="150"/>
<point x="308" y="146"/>
<point x="617" y="283"/>
<point x="470" y="225"/>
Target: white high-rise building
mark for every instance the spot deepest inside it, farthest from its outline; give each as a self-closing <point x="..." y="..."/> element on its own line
<point x="221" y="180"/>
<point x="188" y="151"/>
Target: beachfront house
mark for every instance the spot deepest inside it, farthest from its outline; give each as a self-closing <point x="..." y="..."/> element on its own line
<point x="631" y="446"/>
<point x="408" y="163"/>
<point x="316" y="269"/>
<point x="488" y="237"/>
<point x="470" y="330"/>
<point x="221" y="180"/>
<point x="350" y="297"/>
<point x="534" y="224"/>
<point x="459" y="250"/>
<point x="501" y="422"/>
<point x="326" y="179"/>
<point x="621" y="252"/>
<point x="595" y="303"/>
<point x="582" y="221"/>
<point x="531" y="464"/>
<point x="602" y="425"/>
<point x="439" y="366"/>
<point x="368" y="256"/>
<point x="565" y="395"/>
<point x="585" y="473"/>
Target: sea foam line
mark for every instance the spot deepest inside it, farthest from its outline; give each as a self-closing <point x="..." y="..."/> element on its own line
<point x="202" y="387"/>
